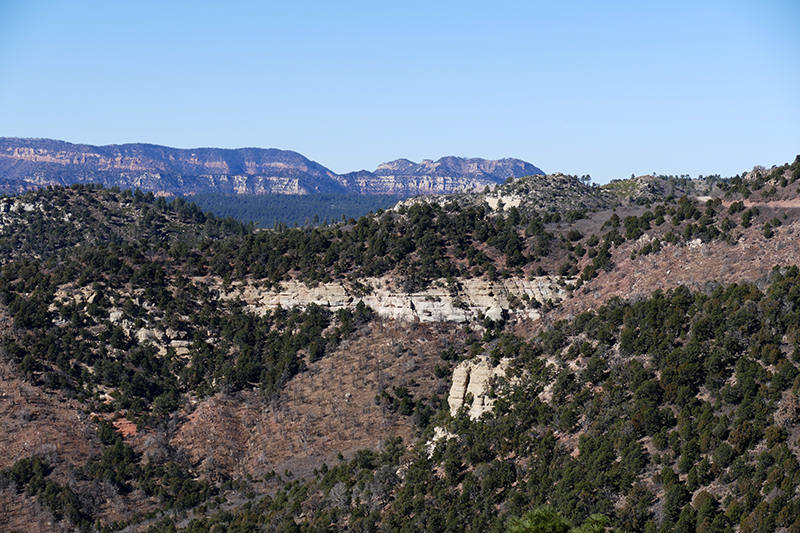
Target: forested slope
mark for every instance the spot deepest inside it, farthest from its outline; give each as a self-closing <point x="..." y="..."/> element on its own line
<point x="660" y="407"/>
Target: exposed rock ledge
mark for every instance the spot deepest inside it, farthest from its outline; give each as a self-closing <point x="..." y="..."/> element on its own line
<point x="436" y="304"/>
<point x="474" y="378"/>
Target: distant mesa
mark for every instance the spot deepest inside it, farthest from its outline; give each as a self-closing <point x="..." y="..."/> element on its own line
<point x="32" y="163"/>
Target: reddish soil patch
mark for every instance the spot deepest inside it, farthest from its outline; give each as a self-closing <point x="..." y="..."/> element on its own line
<point x="698" y="266"/>
<point x="126" y="427"/>
<point x="35" y="422"/>
<point x="326" y="410"/>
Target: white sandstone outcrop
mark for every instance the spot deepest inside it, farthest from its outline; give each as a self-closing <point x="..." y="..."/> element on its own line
<point x="149" y="334"/>
<point x="474" y="377"/>
<point x="438" y="303"/>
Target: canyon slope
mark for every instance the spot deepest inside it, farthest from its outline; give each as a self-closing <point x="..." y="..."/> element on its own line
<point x="626" y="355"/>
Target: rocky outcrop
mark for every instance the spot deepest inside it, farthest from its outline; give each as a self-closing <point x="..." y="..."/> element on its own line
<point x="439" y="303"/>
<point x="530" y="194"/>
<point x="472" y="380"/>
<point x="405" y="185"/>
<point x="473" y="385"/>
<point x="473" y="299"/>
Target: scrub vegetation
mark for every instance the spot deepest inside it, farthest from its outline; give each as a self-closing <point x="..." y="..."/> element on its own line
<point x="673" y="411"/>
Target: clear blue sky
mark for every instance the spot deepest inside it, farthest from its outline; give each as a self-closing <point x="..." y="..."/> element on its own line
<point x="603" y="88"/>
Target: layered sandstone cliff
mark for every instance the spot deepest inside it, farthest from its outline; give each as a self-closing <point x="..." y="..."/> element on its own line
<point x="475" y="298"/>
<point x="31" y="163"/>
<point x="444" y="176"/>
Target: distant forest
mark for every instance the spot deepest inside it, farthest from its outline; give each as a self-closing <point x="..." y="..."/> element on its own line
<point x="269" y="210"/>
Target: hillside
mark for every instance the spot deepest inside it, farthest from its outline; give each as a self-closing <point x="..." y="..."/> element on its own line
<point x="27" y="164"/>
<point x="626" y="355"/>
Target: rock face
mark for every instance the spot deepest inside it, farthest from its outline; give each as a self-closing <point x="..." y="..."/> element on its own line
<point x="472" y="384"/>
<point x="34" y="163"/>
<point x="439" y="303"/>
<point x="474" y="378"/>
<point x="31" y="163"/>
<point x="447" y="175"/>
<point x="500" y="169"/>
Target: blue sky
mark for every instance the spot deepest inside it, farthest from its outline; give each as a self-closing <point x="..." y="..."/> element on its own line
<point x="608" y="88"/>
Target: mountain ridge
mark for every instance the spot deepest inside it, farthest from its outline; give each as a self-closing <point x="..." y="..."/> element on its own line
<point x="31" y="163"/>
